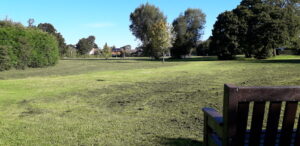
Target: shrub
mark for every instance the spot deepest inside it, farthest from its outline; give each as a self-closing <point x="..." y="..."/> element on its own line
<point x="4" y="58"/>
<point x="28" y="47"/>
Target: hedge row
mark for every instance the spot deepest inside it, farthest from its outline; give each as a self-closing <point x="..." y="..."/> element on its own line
<point x="22" y="47"/>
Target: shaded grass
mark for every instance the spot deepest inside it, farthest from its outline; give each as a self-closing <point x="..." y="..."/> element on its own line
<point x="106" y="103"/>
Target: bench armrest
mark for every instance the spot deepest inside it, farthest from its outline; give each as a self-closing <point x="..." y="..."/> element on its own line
<point x="213" y="120"/>
<point x="213" y="115"/>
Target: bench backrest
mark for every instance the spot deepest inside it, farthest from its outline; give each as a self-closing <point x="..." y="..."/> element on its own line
<point x="266" y="105"/>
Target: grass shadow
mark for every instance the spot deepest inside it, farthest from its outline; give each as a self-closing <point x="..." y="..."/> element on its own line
<point x="198" y="58"/>
<point x="283" y="61"/>
<point x="180" y="142"/>
<point x="278" y="61"/>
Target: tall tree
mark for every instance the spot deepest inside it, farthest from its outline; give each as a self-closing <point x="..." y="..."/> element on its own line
<point x="250" y="3"/>
<point x="47" y="27"/>
<point x="161" y="39"/>
<point x="84" y="45"/>
<point x="261" y="28"/>
<point x="270" y="30"/>
<point x="189" y="29"/>
<point x="244" y="15"/>
<point x="268" y="24"/>
<point x="225" y="36"/>
<point x="142" y="20"/>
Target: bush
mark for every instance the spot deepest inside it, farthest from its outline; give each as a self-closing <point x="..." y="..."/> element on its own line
<point x="4" y="58"/>
<point x="28" y="47"/>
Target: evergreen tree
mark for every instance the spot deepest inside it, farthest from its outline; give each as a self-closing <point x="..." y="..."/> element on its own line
<point x="106" y="52"/>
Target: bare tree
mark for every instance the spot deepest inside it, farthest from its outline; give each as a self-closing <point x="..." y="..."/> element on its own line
<point x="30" y="22"/>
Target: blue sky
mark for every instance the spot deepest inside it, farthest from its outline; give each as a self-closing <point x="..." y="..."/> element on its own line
<point x="107" y="20"/>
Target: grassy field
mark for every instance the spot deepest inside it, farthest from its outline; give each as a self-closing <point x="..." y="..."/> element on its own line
<point x="125" y="102"/>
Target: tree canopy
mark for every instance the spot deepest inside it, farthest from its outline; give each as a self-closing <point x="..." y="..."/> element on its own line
<point x="259" y="27"/>
<point x="189" y="29"/>
<point x="225" y="36"/>
<point x="161" y="39"/>
<point x="84" y="45"/>
<point x="47" y="27"/>
<point x="142" y="19"/>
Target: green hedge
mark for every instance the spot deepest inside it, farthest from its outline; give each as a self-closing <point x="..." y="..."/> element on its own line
<point x="22" y="47"/>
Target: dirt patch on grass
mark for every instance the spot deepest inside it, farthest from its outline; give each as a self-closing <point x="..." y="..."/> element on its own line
<point x="31" y="112"/>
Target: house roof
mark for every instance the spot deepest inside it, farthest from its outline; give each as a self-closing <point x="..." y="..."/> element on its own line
<point x="116" y="50"/>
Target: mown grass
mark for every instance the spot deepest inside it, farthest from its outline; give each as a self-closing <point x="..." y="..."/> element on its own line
<point x="125" y="102"/>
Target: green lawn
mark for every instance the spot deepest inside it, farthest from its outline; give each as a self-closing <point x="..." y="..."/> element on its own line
<point x="125" y="102"/>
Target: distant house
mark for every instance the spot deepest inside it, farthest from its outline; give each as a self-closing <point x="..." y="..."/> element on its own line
<point x="94" y="51"/>
<point x="115" y="52"/>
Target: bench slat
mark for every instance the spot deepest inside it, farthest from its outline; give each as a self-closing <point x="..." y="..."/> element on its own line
<point x="257" y="122"/>
<point x="272" y="123"/>
<point x="288" y="122"/>
<point x="214" y="120"/>
<point x="243" y="110"/>
<point x="249" y="94"/>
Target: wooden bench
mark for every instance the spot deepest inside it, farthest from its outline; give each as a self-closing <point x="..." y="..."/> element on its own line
<point x="251" y="116"/>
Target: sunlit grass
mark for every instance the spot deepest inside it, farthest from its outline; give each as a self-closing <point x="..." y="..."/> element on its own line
<point x="124" y="102"/>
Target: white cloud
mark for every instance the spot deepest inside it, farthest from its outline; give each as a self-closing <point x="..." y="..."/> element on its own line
<point x="100" y="25"/>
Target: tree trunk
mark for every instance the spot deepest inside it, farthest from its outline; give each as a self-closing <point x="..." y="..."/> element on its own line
<point x="274" y="52"/>
<point x="248" y="55"/>
<point x="163" y="57"/>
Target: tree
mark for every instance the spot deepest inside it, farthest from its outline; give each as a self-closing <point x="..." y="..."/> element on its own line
<point x="30" y="22"/>
<point x="71" y="51"/>
<point x="255" y="27"/>
<point x="290" y="4"/>
<point x="142" y="19"/>
<point x="106" y="52"/>
<point x="4" y="59"/>
<point x="246" y="43"/>
<point x="225" y="36"/>
<point x="280" y="15"/>
<point x="250" y="3"/>
<point x="161" y="39"/>
<point x="270" y="29"/>
<point x="84" y="45"/>
<point x="47" y="27"/>
<point x="125" y="50"/>
<point x="189" y="29"/>
<point x="203" y="48"/>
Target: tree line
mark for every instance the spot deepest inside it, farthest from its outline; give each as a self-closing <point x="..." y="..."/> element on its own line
<point x="158" y="37"/>
<point x="254" y="28"/>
